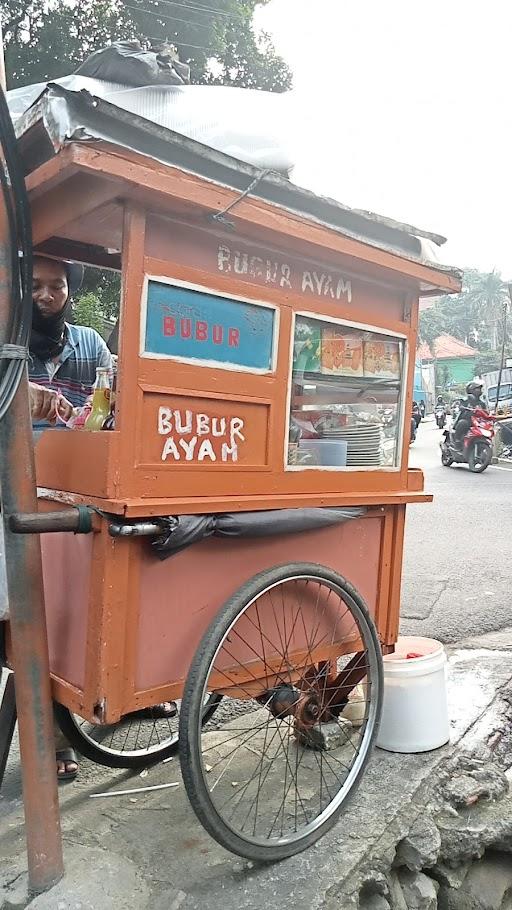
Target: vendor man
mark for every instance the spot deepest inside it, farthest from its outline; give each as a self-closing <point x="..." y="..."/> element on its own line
<point x="62" y="371"/>
<point x="63" y="356"/>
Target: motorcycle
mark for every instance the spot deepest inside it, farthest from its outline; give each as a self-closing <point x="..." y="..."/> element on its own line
<point x="413" y="432"/>
<point x="416" y="414"/>
<point x="476" y="450"/>
<point x="440" y="416"/>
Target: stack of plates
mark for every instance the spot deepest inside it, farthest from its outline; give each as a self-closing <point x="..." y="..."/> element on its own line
<point x="364" y="443"/>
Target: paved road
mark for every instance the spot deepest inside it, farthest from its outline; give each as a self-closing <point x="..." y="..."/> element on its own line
<point x="458" y="560"/>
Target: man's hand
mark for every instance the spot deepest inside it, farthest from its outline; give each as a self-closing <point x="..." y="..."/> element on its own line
<point x="45" y="404"/>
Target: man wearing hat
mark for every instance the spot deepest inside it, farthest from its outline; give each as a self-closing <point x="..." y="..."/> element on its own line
<point x="62" y="371"/>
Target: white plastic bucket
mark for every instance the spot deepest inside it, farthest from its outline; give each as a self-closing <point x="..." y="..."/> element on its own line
<point x="415" y="708"/>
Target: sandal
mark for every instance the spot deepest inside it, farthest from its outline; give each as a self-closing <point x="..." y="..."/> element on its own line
<point x="66" y="756"/>
<point x="156" y="712"/>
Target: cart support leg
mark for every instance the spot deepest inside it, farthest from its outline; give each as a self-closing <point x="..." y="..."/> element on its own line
<point x="30" y="649"/>
<point x="7" y="723"/>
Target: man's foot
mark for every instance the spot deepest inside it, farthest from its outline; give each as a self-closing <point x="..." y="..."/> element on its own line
<point x="166" y="709"/>
<point x="67" y="764"/>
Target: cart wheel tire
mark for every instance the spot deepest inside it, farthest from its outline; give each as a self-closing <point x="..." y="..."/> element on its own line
<point x="159" y="745"/>
<point x="479" y="457"/>
<point x="205" y="783"/>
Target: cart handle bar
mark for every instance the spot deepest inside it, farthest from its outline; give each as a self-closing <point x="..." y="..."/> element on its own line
<point x="77" y="519"/>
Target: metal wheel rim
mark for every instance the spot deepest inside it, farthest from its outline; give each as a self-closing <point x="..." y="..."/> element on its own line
<point x="149" y="750"/>
<point x="480" y="460"/>
<point x="367" y="726"/>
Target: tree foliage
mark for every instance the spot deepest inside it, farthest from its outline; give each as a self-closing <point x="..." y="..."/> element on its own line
<point x="47" y="39"/>
<point x="87" y="310"/>
<point x="474" y="316"/>
<point x="105" y="286"/>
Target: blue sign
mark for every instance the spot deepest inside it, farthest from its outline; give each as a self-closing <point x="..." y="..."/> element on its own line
<point x="200" y="326"/>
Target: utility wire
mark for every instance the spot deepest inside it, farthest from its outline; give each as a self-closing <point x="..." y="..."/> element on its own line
<point x="200" y="47"/>
<point x="151" y="12"/>
<point x="203" y="9"/>
<point x="141" y="9"/>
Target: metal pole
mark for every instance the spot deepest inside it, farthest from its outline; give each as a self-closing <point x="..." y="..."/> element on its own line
<point x="3" y="79"/>
<point x="503" y="343"/>
<point x="27" y="620"/>
<point x="30" y="650"/>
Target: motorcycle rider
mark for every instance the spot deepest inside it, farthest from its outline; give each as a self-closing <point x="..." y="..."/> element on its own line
<point x="440" y="403"/>
<point x="463" y="420"/>
<point x="416" y="414"/>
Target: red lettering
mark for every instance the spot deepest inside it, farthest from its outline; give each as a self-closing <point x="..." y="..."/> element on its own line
<point x="217" y="334"/>
<point x="233" y="338"/>
<point x="186" y="328"/>
<point x="169" y="325"/>
<point x="201" y="331"/>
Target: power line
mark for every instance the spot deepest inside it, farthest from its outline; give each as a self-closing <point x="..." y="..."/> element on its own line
<point x="141" y="9"/>
<point x="200" y="47"/>
<point x="203" y="9"/>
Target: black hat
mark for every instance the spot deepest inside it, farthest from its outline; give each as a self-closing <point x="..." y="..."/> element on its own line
<point x="74" y="271"/>
<point x="75" y="275"/>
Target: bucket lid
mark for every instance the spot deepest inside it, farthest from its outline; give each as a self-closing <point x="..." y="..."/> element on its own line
<point x="414" y="648"/>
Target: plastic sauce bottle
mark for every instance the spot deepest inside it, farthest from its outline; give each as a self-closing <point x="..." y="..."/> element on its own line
<point x="100" y="400"/>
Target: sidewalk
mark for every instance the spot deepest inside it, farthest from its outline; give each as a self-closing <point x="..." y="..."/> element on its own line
<point x="148" y="852"/>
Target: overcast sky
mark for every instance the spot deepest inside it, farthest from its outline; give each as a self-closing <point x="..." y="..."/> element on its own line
<point x="408" y="112"/>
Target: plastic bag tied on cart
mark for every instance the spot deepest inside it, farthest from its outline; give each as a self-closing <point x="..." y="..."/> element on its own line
<point x="128" y="63"/>
<point x="189" y="529"/>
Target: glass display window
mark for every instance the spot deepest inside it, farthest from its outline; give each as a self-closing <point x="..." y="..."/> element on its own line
<point x="346" y="396"/>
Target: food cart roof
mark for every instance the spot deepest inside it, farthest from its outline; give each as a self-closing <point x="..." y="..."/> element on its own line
<point x="60" y="116"/>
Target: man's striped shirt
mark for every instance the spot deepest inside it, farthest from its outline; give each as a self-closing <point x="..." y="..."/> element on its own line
<point x="74" y="372"/>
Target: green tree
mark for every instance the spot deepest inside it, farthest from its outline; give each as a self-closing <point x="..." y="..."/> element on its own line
<point x="106" y="287"/>
<point x="433" y="322"/>
<point x="87" y="310"/>
<point x="47" y="39"/>
<point x="489" y="360"/>
<point x="475" y="316"/>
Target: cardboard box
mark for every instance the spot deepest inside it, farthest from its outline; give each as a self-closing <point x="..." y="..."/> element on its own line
<point x="342" y="352"/>
<point x="382" y="359"/>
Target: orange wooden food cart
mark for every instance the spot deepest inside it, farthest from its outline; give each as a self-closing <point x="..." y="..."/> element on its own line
<point x="267" y="343"/>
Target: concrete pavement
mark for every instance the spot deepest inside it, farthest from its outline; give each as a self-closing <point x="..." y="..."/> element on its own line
<point x="148" y="852"/>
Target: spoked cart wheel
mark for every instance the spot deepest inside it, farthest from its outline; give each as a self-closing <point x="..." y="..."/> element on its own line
<point x="134" y="742"/>
<point x="286" y="652"/>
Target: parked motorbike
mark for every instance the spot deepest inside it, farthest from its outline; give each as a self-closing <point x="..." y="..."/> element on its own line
<point x="476" y="447"/>
<point x="440" y="416"/>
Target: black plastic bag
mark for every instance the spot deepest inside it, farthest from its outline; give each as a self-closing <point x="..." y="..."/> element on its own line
<point x="128" y="63"/>
<point x="191" y="529"/>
